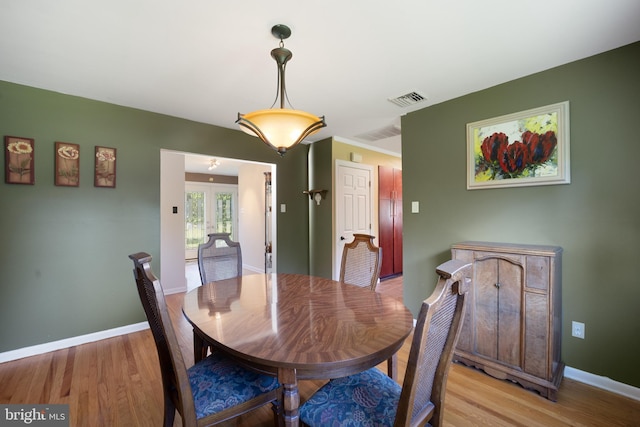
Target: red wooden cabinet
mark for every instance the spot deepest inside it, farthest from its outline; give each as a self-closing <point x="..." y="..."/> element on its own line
<point x="390" y="220"/>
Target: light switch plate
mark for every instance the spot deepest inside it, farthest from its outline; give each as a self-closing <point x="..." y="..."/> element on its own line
<point x="415" y="207"/>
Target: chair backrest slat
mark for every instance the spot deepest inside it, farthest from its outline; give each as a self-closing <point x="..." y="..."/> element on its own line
<point x="361" y="261"/>
<point x="219" y="258"/>
<point x="434" y="340"/>
<point x="172" y="366"/>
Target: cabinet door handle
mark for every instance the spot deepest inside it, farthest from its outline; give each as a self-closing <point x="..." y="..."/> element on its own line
<point x="497" y="285"/>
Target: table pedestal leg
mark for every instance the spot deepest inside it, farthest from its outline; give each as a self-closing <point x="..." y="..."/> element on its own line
<point x="291" y="396"/>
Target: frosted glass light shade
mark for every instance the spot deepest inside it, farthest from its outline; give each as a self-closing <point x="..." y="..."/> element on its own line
<point x="280" y="128"/>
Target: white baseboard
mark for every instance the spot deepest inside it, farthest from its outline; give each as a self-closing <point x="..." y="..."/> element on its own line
<point x="171" y="291"/>
<point x="604" y="383"/>
<point x="253" y="268"/>
<point x="598" y="381"/>
<point x="70" y="342"/>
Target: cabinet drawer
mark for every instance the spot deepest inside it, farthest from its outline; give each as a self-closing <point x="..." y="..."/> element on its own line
<point x="538" y="272"/>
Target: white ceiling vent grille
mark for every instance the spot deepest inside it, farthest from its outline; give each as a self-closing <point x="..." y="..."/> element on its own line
<point x="382" y="133"/>
<point x="408" y="99"/>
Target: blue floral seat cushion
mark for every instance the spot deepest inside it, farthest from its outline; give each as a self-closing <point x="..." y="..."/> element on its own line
<point x="218" y="383"/>
<point x="369" y="399"/>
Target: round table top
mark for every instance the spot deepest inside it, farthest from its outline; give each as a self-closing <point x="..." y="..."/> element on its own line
<point x="308" y="323"/>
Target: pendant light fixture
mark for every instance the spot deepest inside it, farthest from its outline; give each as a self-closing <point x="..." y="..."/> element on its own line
<point x="280" y="128"/>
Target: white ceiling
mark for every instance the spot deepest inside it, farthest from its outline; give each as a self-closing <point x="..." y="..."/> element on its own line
<point x="200" y="164"/>
<point x="207" y="60"/>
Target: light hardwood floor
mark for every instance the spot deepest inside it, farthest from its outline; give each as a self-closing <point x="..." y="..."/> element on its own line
<point x="116" y="382"/>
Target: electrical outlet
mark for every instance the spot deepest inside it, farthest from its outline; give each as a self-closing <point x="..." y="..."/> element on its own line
<point x="577" y="329"/>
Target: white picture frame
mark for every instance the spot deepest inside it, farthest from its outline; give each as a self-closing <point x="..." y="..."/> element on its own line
<point x="527" y="148"/>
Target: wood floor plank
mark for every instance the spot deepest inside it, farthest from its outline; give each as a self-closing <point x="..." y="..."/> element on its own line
<point x="116" y="382"/>
<point x="11" y="379"/>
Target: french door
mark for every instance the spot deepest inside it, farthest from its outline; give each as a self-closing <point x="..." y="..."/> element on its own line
<point x="209" y="208"/>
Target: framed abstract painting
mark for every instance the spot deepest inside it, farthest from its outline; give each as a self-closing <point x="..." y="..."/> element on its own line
<point x="521" y="149"/>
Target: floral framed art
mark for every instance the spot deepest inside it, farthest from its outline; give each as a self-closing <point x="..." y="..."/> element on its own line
<point x="105" y="171"/>
<point x="67" y="168"/>
<point x="520" y="149"/>
<point x="19" y="160"/>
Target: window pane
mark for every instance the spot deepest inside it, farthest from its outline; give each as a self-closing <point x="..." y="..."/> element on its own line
<point x="224" y="213"/>
<point x="194" y="212"/>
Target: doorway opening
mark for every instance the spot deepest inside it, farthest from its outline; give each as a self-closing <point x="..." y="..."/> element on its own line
<point x="242" y="213"/>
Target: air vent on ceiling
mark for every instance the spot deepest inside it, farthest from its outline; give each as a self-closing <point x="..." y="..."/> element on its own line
<point x="382" y="133"/>
<point x="408" y="99"/>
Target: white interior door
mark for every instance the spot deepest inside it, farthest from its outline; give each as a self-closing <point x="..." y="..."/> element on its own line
<point x="209" y="208"/>
<point x="353" y="205"/>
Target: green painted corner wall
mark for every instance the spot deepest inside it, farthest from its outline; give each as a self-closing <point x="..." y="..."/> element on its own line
<point x="64" y="264"/>
<point x="321" y="216"/>
<point x="595" y="218"/>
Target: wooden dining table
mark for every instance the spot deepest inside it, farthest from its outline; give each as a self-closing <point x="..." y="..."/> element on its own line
<point x="298" y="327"/>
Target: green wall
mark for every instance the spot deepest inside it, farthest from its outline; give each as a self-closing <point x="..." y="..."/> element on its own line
<point x="64" y="264"/>
<point x="320" y="216"/>
<point x="596" y="218"/>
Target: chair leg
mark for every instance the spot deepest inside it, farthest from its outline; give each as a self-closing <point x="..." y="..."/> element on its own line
<point x="278" y="410"/>
<point x="199" y="347"/>
<point x="392" y="367"/>
<point x="169" y="412"/>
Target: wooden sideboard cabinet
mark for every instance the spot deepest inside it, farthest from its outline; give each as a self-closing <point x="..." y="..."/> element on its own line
<point x="513" y="322"/>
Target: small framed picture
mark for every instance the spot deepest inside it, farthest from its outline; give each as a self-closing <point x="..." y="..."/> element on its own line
<point x="105" y="171"/>
<point x="67" y="168"/>
<point x="19" y="160"/>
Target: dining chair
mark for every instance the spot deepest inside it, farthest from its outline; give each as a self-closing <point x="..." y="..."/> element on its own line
<point x="361" y="261"/>
<point x="360" y="266"/>
<point x="219" y="258"/>
<point x="213" y="390"/>
<point x="373" y="396"/>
